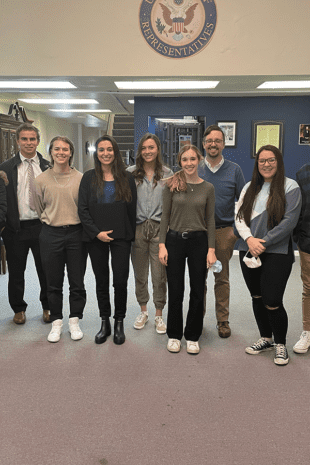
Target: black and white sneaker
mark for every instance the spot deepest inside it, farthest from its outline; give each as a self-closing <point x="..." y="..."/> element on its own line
<point x="260" y="346"/>
<point x="281" y="355"/>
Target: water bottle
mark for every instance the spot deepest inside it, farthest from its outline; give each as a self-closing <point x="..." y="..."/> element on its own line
<point x="216" y="267"/>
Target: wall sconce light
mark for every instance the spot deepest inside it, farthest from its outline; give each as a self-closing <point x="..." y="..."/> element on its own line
<point x="89" y="149"/>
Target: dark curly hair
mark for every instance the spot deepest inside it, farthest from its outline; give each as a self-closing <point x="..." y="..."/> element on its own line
<point x="122" y="188"/>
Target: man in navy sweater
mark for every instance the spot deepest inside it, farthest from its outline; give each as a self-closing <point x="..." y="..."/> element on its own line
<point x="228" y="181"/>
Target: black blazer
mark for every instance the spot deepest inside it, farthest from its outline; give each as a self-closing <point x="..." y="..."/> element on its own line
<point x="10" y="168"/>
<point x="3" y="208"/>
<point x="96" y="217"/>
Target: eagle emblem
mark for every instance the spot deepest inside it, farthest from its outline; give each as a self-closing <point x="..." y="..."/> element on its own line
<point x="178" y="16"/>
<point x="177" y="28"/>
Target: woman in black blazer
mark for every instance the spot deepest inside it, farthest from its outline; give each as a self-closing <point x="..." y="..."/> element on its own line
<point x="107" y="209"/>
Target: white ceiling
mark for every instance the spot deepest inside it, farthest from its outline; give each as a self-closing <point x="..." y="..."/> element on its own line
<point x="109" y="97"/>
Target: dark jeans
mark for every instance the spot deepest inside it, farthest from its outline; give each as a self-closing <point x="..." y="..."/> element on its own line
<point x="195" y="250"/>
<point x="269" y="282"/>
<point x="17" y="248"/>
<point x="99" y="255"/>
<point x="60" y="247"/>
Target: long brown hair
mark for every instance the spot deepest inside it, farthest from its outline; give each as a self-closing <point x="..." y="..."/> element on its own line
<point x="139" y="172"/>
<point x="276" y="201"/>
<point x="122" y="188"/>
<point x="177" y="182"/>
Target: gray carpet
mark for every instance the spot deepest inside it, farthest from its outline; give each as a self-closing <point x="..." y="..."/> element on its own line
<point x="137" y="404"/>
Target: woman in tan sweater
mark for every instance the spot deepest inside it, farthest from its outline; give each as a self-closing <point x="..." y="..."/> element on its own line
<point x="61" y="245"/>
<point x="187" y="230"/>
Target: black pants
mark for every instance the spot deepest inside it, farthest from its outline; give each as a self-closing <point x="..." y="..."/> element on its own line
<point x="60" y="247"/>
<point x="195" y="250"/>
<point x="268" y="282"/>
<point x="99" y="255"/>
<point x="17" y="248"/>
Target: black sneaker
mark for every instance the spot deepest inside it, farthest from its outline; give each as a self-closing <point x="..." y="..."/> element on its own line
<point x="260" y="346"/>
<point x="281" y="355"/>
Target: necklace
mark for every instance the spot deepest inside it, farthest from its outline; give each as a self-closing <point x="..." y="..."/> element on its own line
<point x="189" y="184"/>
<point x="63" y="185"/>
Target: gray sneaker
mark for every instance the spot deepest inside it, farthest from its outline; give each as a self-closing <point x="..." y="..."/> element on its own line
<point x="281" y="355"/>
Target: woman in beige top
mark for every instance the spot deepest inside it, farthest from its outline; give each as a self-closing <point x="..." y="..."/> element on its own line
<point x="188" y="216"/>
<point x="61" y="243"/>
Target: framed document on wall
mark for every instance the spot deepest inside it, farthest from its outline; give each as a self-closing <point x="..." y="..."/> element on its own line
<point x="229" y="128"/>
<point x="266" y="133"/>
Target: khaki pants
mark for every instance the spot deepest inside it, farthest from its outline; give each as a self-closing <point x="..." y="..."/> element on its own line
<point x="305" y="276"/>
<point x="144" y="253"/>
<point x="224" y="247"/>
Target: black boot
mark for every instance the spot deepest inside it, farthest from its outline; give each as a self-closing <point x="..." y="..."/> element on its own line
<point x="119" y="335"/>
<point x="104" y="332"/>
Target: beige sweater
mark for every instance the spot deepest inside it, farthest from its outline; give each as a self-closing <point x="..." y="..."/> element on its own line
<point x="56" y="199"/>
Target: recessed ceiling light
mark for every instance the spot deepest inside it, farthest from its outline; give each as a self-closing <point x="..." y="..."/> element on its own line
<point x="49" y="101"/>
<point x="132" y="102"/>
<point x="75" y="110"/>
<point x="36" y="85"/>
<point x="169" y="85"/>
<point x="285" y="85"/>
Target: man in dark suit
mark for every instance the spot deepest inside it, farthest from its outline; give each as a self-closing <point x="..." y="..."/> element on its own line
<point x="22" y="225"/>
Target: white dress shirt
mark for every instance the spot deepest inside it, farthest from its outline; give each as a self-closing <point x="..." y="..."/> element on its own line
<point x="215" y="168"/>
<point x="25" y="212"/>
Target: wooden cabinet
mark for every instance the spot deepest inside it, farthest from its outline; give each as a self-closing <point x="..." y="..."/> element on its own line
<point x="8" y="126"/>
<point x="8" y="145"/>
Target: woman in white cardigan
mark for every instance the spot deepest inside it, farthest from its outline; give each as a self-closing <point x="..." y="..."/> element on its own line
<point x="267" y="212"/>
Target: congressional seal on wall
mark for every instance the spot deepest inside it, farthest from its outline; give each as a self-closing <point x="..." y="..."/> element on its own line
<point x="177" y="28"/>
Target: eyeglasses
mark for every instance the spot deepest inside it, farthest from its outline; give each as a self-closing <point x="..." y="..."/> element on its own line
<point x="216" y="141"/>
<point x="270" y="161"/>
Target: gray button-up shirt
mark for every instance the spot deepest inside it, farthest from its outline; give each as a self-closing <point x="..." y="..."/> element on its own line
<point x="150" y="198"/>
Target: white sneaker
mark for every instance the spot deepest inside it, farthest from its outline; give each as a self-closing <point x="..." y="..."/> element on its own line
<point x="174" y="345"/>
<point x="141" y="320"/>
<point x="55" y="332"/>
<point x="193" y="347"/>
<point x="302" y="346"/>
<point x="74" y="328"/>
<point x="160" y="325"/>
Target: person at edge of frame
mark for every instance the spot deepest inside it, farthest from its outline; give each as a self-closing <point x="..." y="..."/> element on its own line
<point x="22" y="224"/>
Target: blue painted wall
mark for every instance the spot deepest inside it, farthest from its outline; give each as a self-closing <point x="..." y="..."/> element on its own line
<point x="292" y="110"/>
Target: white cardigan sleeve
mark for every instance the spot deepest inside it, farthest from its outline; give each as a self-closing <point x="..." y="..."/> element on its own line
<point x="242" y="228"/>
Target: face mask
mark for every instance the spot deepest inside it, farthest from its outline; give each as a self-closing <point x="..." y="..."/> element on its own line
<point x="252" y="262"/>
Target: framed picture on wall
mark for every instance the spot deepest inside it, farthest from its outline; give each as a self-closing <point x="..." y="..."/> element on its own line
<point x="304" y="134"/>
<point x="266" y="133"/>
<point x="230" y="130"/>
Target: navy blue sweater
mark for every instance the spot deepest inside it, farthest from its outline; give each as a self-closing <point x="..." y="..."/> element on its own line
<point x="228" y="183"/>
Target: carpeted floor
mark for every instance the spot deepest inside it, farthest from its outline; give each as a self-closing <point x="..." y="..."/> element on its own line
<point x="137" y="404"/>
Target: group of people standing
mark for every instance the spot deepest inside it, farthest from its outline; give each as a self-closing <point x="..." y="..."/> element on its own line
<point x="160" y="220"/>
